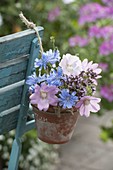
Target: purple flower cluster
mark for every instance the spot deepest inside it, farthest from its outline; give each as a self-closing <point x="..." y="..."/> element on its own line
<point x="101" y="32"/>
<point x="78" y="41"/>
<point x="108" y="2"/>
<point x="106" y="47"/>
<point x="53" y="14"/>
<point x="107" y="92"/>
<point x="93" y="11"/>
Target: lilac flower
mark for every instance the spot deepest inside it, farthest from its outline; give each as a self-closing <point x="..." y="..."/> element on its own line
<point x="91" y="12"/>
<point x="53" y="14"/>
<point x="78" y="41"/>
<point x="101" y="32"/>
<point x="106" y="47"/>
<point x="107" y="92"/>
<point x="44" y="96"/>
<point x="106" y="32"/>
<point x="88" y="104"/>
<point x="108" y="2"/>
<point x="66" y="99"/>
<point x="47" y="57"/>
<point x="71" y="65"/>
<point x="94" y="31"/>
<point x="109" y="12"/>
<point x="56" y="77"/>
<point x="103" y="66"/>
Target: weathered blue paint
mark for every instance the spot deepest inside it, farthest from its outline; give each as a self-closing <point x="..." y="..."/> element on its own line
<point x="16" y="151"/>
<point x="16" y="45"/>
<point x="12" y="79"/>
<point x="10" y="98"/>
<point x="17" y="55"/>
<point x="8" y="121"/>
<point x="14" y="69"/>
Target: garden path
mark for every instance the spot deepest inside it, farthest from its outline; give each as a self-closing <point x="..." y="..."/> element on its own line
<point x="86" y="151"/>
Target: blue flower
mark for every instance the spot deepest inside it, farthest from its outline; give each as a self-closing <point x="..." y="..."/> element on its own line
<point x="41" y="78"/>
<point x="39" y="63"/>
<point x="33" y="79"/>
<point x="53" y="56"/>
<point x="55" y="78"/>
<point x="66" y="99"/>
<point x="32" y="89"/>
<point x="47" y="57"/>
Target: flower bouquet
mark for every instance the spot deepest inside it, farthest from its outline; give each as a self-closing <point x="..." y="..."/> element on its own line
<point x="61" y="88"/>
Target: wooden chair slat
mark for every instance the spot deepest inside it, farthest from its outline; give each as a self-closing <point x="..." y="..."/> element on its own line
<point x="10" y="98"/>
<point x="8" y="122"/>
<point x="13" y="69"/>
<point x="12" y="79"/>
<point x="15" y="45"/>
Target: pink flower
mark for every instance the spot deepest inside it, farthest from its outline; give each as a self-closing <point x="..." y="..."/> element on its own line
<point x="53" y="14"/>
<point x="94" y="31"/>
<point x="78" y="41"/>
<point x="108" y="2"/>
<point x="91" y="66"/>
<point x="44" y="96"/>
<point x="106" y="32"/>
<point x="101" y="32"/>
<point x="88" y="104"/>
<point x="107" y="92"/>
<point x="106" y="47"/>
<point x="91" y="12"/>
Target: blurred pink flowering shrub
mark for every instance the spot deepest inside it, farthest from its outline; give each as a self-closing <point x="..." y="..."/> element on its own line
<point x="53" y="14"/>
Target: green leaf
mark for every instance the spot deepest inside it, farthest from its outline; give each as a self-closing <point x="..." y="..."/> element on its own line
<point x="104" y="136"/>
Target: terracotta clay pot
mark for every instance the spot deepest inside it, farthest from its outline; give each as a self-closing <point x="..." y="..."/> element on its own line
<point x="55" y="129"/>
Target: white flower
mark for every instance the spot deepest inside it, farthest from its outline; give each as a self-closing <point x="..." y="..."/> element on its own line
<point x="71" y="65"/>
<point x="2" y="137"/>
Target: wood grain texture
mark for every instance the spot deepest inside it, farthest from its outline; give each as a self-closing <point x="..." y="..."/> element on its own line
<point x="16" y="45"/>
<point x="8" y="122"/>
<point x="13" y="69"/>
<point x="12" y="79"/>
<point x="10" y="98"/>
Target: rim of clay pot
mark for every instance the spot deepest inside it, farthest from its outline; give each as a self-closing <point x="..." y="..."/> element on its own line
<point x="54" y="111"/>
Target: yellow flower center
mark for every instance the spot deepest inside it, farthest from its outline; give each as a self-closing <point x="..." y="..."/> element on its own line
<point x="43" y="94"/>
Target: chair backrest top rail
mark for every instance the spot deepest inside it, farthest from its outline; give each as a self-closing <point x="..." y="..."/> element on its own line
<point x="18" y="35"/>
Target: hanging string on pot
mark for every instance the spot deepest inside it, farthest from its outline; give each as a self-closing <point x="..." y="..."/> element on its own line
<point x="31" y="25"/>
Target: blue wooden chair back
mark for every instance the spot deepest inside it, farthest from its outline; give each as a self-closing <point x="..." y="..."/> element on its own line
<point x="17" y="54"/>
